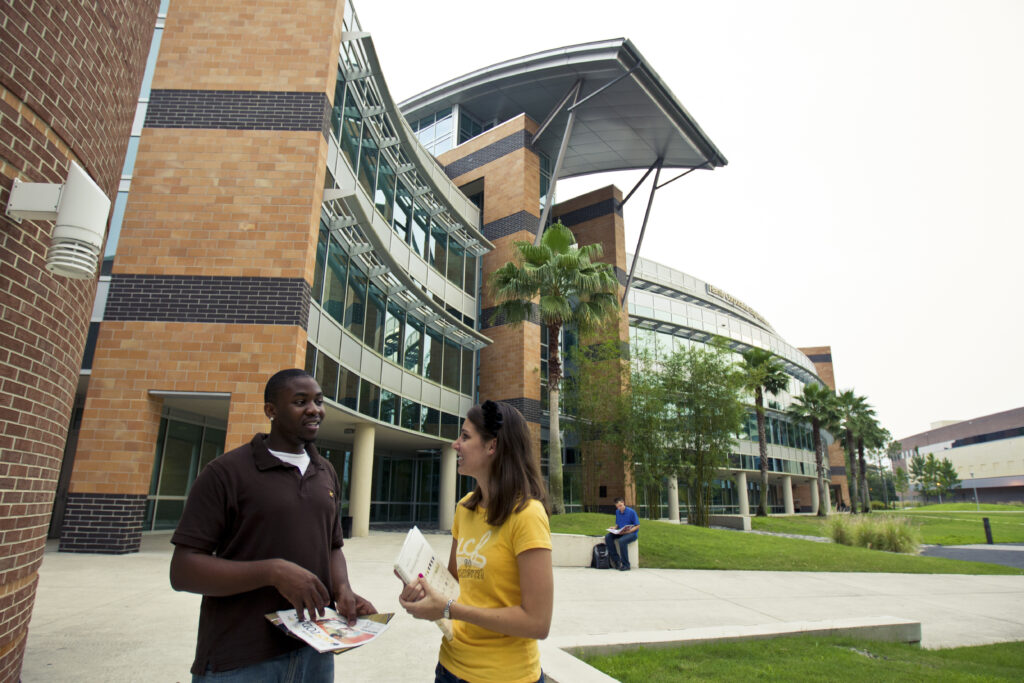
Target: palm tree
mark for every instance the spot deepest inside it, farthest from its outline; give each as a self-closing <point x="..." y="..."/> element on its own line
<point x="763" y="373"/>
<point x="850" y="407"/>
<point x="816" y="404"/>
<point x="571" y="290"/>
<point x="869" y="435"/>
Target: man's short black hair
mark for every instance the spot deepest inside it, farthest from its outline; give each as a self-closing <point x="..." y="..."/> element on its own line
<point x="618" y="500"/>
<point x="278" y="380"/>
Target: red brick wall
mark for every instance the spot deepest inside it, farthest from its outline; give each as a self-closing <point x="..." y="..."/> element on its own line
<point x="69" y="82"/>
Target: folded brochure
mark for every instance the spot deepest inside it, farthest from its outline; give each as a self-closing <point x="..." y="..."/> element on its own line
<point x="417" y="557"/>
<point x="331" y="632"/>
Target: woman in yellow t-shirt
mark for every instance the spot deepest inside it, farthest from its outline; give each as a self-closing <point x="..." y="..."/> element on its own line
<point x="501" y="556"/>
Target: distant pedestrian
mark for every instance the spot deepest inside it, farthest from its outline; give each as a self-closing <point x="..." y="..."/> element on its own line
<point x="618" y="538"/>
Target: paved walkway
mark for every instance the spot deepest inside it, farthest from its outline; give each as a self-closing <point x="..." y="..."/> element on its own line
<point x="115" y="618"/>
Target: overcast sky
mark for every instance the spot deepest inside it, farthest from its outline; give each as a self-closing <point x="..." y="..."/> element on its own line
<point x="874" y="197"/>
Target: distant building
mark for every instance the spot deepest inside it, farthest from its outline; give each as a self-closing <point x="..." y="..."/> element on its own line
<point x="987" y="452"/>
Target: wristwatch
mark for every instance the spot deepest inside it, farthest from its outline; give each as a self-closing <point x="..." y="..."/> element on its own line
<point x="448" y="609"/>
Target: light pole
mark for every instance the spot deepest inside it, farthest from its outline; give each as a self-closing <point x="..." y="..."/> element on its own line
<point x="975" y="487"/>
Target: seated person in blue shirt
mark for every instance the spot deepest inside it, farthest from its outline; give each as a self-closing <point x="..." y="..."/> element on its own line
<point x="625" y="531"/>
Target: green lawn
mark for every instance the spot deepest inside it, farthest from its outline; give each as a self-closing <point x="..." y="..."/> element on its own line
<point x="808" y="658"/>
<point x="948" y="524"/>
<point x="679" y="546"/>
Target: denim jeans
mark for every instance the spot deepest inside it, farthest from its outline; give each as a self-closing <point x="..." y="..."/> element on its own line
<point x="304" y="665"/>
<point x="618" y="547"/>
<point x="443" y="675"/>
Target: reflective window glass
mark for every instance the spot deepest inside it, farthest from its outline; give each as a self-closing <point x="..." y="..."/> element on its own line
<point x="410" y="414"/>
<point x="467" y="372"/>
<point x="336" y="277"/>
<point x="321" y="263"/>
<point x="394" y="331"/>
<point x="369" y="399"/>
<point x="438" y="247"/>
<point x="390" y="407"/>
<point x="433" y="356"/>
<point x="326" y="375"/>
<point x="452" y="356"/>
<point x="456" y="262"/>
<point x="368" y="157"/>
<point x="469" y="284"/>
<point x="403" y="211"/>
<point x="384" y="199"/>
<point x="351" y="131"/>
<point x="373" y="327"/>
<point x="413" y="358"/>
<point x="431" y="421"/>
<point x="348" y="389"/>
<point x="355" y="301"/>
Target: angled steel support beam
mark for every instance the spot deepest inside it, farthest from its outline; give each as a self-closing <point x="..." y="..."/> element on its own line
<point x="570" y="95"/>
<point x="604" y="87"/>
<point x="643" y="228"/>
<point x="549" y="199"/>
<point x="640" y="182"/>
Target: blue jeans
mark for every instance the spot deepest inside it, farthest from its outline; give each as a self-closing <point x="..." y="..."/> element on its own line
<point x="443" y="675"/>
<point x="304" y="665"/>
<point x="618" y="547"/>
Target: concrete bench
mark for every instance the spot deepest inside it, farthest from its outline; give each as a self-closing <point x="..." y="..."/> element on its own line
<point x="740" y="522"/>
<point x="575" y="550"/>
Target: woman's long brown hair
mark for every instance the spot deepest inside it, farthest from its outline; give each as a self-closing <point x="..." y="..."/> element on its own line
<point x="515" y="474"/>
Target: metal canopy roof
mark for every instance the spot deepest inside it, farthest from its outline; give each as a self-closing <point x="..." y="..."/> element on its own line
<point x="629" y="125"/>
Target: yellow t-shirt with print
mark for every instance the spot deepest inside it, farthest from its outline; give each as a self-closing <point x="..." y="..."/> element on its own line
<point x="489" y="577"/>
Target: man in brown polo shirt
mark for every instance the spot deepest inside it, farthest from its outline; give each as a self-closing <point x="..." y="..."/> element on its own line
<point x="261" y="532"/>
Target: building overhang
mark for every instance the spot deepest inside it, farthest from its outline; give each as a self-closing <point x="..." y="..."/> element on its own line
<point x="629" y="124"/>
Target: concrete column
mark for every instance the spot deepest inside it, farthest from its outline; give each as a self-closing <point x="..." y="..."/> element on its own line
<point x="814" y="496"/>
<point x="741" y="493"/>
<point x="446" y="496"/>
<point x="787" y="493"/>
<point x="673" y="499"/>
<point x="362" y="477"/>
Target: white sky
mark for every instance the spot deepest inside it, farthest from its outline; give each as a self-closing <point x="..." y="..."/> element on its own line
<point x="873" y="199"/>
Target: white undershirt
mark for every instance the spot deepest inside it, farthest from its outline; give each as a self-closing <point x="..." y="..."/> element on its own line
<point x="300" y="460"/>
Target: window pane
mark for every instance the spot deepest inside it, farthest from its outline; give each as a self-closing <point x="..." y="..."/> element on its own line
<point x="355" y="302"/>
<point x="450" y="426"/>
<point x="470" y="272"/>
<point x="433" y="356"/>
<point x="413" y="359"/>
<point x="420" y="227"/>
<point x="369" y="399"/>
<point x="467" y="372"/>
<point x="180" y="458"/>
<point x="410" y="414"/>
<point x="431" y="421"/>
<point x="338" y="108"/>
<point x="439" y="247"/>
<point x="336" y="276"/>
<point x="403" y="211"/>
<point x="390" y="406"/>
<point x="351" y="131"/>
<point x="452" y="356"/>
<point x="394" y="330"/>
<point x="321" y="262"/>
<point x="373" y="334"/>
<point x="327" y="375"/>
<point x="348" y="389"/>
<point x="384" y="198"/>
<point x="456" y="262"/>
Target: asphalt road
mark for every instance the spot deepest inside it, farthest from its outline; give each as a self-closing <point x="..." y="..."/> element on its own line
<point x="1008" y="554"/>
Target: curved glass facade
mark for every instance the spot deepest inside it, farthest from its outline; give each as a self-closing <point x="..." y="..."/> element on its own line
<point x="670" y="309"/>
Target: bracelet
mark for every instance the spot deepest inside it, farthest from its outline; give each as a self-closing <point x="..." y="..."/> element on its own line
<point x="448" y="609"/>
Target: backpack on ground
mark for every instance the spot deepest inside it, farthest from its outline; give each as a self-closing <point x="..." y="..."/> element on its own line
<point x="599" y="557"/>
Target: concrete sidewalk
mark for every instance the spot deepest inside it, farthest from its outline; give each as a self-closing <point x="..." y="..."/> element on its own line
<point x="115" y="618"/>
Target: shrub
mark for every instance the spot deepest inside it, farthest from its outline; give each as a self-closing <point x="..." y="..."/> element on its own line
<point x="893" y="534"/>
<point x="877" y="505"/>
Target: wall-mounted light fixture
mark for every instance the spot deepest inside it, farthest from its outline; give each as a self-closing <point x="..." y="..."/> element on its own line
<point x="80" y="210"/>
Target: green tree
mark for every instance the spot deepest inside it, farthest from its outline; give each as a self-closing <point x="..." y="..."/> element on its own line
<point x="870" y="436"/>
<point x="817" y="405"/>
<point x="901" y="482"/>
<point x="702" y="393"/>
<point x="762" y="372"/>
<point x="595" y="395"/>
<point x="849" y="406"/>
<point x="570" y="289"/>
<point x="946" y="478"/>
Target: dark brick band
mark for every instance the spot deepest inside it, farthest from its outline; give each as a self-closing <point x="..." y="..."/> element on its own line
<point x="105" y="523"/>
<point x="491" y="152"/>
<point x="529" y="407"/>
<point x="202" y="299"/>
<point x="488" y="313"/>
<point x="238" y="110"/>
<point x="510" y="225"/>
<point x="820" y="358"/>
<point x="589" y="213"/>
<point x="837" y="470"/>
